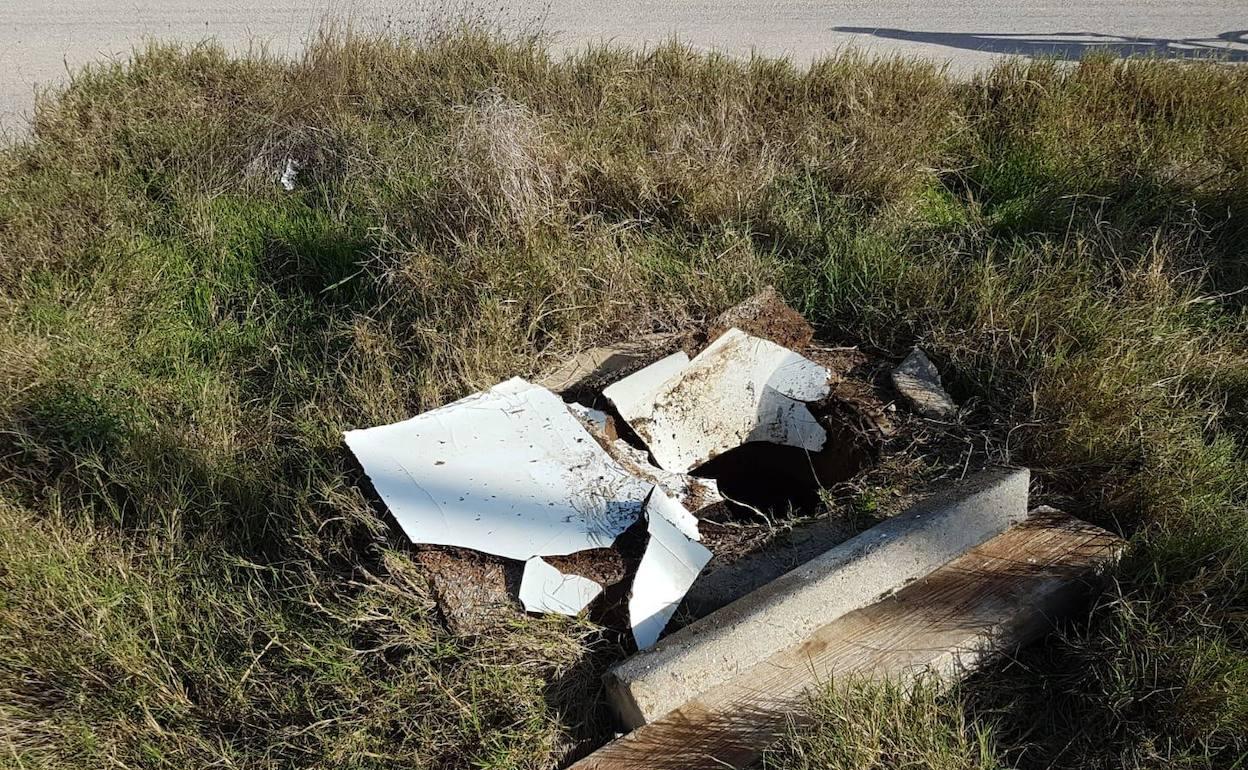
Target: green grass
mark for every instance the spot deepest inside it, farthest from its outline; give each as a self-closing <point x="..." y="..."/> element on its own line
<point x="190" y="572"/>
<point x="858" y="725"/>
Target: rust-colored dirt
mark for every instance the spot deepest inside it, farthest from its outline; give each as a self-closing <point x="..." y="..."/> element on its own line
<point x="765" y="315"/>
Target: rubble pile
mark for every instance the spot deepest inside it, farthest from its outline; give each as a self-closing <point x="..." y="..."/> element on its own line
<point x="518" y="473"/>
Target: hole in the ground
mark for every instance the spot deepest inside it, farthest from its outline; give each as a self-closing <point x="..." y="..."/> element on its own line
<point x="782" y="479"/>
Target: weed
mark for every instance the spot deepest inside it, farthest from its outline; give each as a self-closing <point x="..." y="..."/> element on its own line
<point x="193" y="570"/>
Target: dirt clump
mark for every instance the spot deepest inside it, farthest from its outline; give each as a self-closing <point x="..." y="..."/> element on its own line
<point x="765" y="315"/>
<point x="604" y="566"/>
<point x="475" y="592"/>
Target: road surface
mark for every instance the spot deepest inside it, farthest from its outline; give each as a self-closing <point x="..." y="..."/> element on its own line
<point x="41" y="41"/>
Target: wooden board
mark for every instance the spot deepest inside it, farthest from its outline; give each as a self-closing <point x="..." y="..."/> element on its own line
<point x="1000" y="594"/>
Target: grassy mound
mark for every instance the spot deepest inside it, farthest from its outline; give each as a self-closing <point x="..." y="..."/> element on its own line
<point x="190" y="574"/>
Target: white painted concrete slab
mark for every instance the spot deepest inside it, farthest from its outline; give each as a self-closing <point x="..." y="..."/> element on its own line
<point x="739" y="389"/>
<point x="509" y="471"/>
<point x="671" y="563"/>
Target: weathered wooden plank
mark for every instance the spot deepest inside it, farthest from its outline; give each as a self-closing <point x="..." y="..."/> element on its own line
<point x="1002" y="593"/>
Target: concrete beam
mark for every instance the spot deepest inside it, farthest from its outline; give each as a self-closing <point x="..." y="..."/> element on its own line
<point x="996" y="596"/>
<point x="785" y="612"/>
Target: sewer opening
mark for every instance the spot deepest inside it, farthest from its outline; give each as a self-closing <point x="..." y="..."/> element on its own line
<point x="783" y="480"/>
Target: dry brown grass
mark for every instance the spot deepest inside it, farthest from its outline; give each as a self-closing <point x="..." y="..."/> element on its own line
<point x="504" y="167"/>
<point x="193" y="572"/>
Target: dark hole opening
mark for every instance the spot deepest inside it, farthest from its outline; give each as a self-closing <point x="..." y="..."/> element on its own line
<point x="779" y="480"/>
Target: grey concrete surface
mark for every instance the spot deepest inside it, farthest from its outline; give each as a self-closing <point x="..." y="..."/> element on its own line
<point x="721" y="584"/>
<point x="41" y="41"/>
<point x="787" y="610"/>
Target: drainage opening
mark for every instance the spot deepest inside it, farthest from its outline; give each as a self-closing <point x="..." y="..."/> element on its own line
<point x="783" y="480"/>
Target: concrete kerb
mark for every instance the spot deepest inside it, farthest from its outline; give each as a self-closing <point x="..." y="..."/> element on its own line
<point x="782" y="613"/>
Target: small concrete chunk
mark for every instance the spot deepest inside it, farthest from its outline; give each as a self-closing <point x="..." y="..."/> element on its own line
<point x="786" y="611"/>
<point x="918" y="381"/>
<point x="545" y="589"/>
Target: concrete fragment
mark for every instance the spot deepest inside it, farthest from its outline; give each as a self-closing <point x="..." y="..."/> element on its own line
<point x="643" y="386"/>
<point x="509" y="471"/>
<point x="592" y="369"/>
<point x="998" y="595"/>
<point x="671" y="562"/>
<point x="596" y="421"/>
<point x="918" y="381"/>
<point x="739" y="389"/>
<point x="692" y="492"/>
<point x="851" y="575"/>
<point x="768" y="316"/>
<point x="545" y="589"/>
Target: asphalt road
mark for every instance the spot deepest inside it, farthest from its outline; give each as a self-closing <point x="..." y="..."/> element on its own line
<point x="41" y="41"/>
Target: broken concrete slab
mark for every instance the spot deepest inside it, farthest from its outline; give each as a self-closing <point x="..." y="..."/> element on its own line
<point x="918" y="381"/>
<point x="739" y="389"/>
<point x="997" y="596"/>
<point x="694" y="493"/>
<point x="643" y="386"/>
<point x="592" y="369"/>
<point x="671" y="562"/>
<point x="544" y="589"/>
<point x="509" y="471"/>
<point x="768" y="316"/>
<point x="848" y="577"/>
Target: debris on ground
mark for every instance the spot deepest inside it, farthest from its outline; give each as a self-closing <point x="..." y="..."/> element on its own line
<point x="545" y="589"/>
<point x="596" y="421"/>
<point x="290" y="175"/>
<point x="693" y="492"/>
<point x="671" y="563"/>
<point x="738" y="390"/>
<point x="613" y="494"/>
<point x="509" y="471"/>
<point x="637" y="392"/>
<point x="918" y="381"/>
